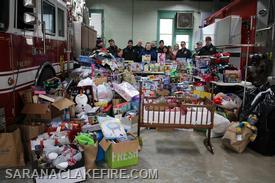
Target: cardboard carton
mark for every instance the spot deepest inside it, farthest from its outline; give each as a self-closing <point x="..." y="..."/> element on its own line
<point x="72" y="174"/>
<point x="26" y="96"/>
<point x="36" y="112"/>
<point x="32" y="130"/>
<point x="122" y="154"/>
<point x="47" y="111"/>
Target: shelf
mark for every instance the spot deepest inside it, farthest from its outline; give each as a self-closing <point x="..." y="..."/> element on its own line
<point x="149" y="73"/>
<point x="235" y="46"/>
<point x="242" y="84"/>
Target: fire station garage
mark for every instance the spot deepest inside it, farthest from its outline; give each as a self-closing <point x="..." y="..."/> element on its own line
<point x="137" y="91"/>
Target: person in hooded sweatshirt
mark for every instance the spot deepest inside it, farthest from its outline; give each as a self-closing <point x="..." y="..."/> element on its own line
<point x="112" y="48"/>
<point x="209" y="48"/>
<point x="149" y="51"/>
<point x="183" y="52"/>
<point x="129" y="52"/>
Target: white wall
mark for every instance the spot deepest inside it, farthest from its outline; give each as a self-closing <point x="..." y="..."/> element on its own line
<point x="137" y="19"/>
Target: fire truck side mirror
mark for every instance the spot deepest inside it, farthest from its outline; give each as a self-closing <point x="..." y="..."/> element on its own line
<point x="29" y="18"/>
<point x="29" y="3"/>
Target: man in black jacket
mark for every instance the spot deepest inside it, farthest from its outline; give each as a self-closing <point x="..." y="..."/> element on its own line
<point x="112" y="48"/>
<point x="183" y="52"/>
<point x="129" y="52"/>
<point x="209" y="48"/>
<point x="138" y="50"/>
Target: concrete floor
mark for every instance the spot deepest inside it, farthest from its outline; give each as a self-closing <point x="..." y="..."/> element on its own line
<point x="180" y="156"/>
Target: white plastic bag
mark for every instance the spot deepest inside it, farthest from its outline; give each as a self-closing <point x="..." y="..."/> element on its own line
<point x="104" y="93"/>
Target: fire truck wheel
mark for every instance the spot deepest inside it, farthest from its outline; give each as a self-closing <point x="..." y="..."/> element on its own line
<point x="46" y="74"/>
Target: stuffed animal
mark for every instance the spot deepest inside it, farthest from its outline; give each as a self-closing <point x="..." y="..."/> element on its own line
<point x="252" y="119"/>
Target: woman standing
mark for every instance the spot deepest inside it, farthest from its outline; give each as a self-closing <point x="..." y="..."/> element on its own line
<point x="168" y="53"/>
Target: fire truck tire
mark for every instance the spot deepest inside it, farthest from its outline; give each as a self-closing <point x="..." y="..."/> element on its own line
<point x="47" y="73"/>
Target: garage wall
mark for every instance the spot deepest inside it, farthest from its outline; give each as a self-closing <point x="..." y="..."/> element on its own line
<point x="137" y="19"/>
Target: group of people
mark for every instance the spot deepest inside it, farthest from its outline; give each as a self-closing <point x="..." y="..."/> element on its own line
<point x="136" y="52"/>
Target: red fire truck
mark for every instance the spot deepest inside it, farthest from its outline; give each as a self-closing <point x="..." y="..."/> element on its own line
<point x="33" y="47"/>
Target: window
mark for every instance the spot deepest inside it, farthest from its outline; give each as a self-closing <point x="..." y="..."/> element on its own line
<point x="4" y="15"/>
<point x="96" y="20"/>
<point x="166" y="31"/>
<point x="61" y="23"/>
<point x="20" y="15"/>
<point x="185" y="38"/>
<point x="48" y="17"/>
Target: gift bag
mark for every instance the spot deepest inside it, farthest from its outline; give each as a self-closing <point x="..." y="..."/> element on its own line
<point x="234" y="141"/>
<point x="90" y="153"/>
<point x="11" y="149"/>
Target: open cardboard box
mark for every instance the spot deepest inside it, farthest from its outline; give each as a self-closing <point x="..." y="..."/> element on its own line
<point x="47" y="111"/>
<point x="30" y="131"/>
<point x="122" y="154"/>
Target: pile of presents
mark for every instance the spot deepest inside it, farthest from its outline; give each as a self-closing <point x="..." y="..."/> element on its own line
<point x="73" y="125"/>
<point x="217" y="68"/>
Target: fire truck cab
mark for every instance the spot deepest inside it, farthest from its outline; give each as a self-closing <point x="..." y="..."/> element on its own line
<point x="33" y="48"/>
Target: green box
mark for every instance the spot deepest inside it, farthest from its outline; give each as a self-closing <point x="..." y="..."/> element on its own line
<point x="122" y="154"/>
<point x="119" y="160"/>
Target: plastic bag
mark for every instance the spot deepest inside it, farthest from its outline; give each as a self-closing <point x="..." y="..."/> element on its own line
<point x="250" y="95"/>
<point x="104" y="93"/>
<point x="112" y="128"/>
<point x="233" y="140"/>
<point x="228" y="101"/>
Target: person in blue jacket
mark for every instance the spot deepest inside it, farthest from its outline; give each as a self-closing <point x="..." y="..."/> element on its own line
<point x="149" y="51"/>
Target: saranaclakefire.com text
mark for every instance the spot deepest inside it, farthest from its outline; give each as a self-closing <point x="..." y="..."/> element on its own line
<point x="88" y="174"/>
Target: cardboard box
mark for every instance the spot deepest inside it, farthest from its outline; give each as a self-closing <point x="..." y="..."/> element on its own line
<point x="77" y="173"/>
<point x="122" y="154"/>
<point x="202" y="94"/>
<point x="32" y="130"/>
<point x="47" y="111"/>
<point x="26" y="96"/>
<point x="37" y="111"/>
<point x="122" y="107"/>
